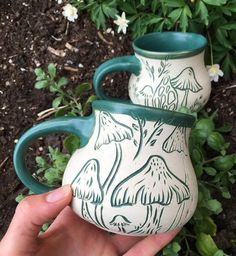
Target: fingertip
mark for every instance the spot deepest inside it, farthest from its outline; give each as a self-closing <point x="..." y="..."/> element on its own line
<point x="59" y="194"/>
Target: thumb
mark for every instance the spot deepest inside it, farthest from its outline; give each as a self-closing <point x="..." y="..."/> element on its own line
<point x="32" y="213"/>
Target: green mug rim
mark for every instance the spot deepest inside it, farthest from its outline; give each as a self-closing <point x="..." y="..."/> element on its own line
<point x="195" y="43"/>
<point x="151" y="114"/>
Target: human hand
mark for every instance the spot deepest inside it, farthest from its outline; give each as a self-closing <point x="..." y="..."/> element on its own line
<point x="68" y="235"/>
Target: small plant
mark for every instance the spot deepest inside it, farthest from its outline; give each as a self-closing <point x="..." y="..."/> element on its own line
<point x="67" y="101"/>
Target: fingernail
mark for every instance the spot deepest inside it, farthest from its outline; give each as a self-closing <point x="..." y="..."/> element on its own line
<point x="58" y="194"/>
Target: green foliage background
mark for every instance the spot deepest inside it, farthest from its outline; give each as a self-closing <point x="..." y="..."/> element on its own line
<point x="216" y="19"/>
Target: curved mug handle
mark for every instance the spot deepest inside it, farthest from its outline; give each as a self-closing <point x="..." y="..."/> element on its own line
<point x="79" y="126"/>
<point x="124" y="63"/>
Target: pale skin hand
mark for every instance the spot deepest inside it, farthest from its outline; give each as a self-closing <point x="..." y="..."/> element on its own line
<point x="68" y="234"/>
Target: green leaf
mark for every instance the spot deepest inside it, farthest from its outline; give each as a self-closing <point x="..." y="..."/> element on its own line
<point x="196" y="155"/>
<point x="129" y="8"/>
<point x="174" y="3"/>
<point x="62" y="81"/>
<point x="186" y="13"/>
<point x="71" y="143"/>
<point x="224" y="163"/>
<point x="216" y="141"/>
<point x="206" y="245"/>
<point x="84" y="87"/>
<point x="52" y="70"/>
<point x="61" y="112"/>
<point x="41" y="84"/>
<point x="221" y="36"/>
<point x="109" y="9"/>
<point x="202" y="11"/>
<point x="57" y="101"/>
<point x="40" y="74"/>
<point x="19" y="198"/>
<point x="229" y="26"/>
<point x="41" y="162"/>
<point x="206" y="225"/>
<point x="225" y="128"/>
<point x="215" y="2"/>
<point x="206" y="125"/>
<point x="155" y="5"/>
<point x="225" y="192"/>
<point x="210" y="171"/>
<point x="231" y="6"/>
<point x="228" y="64"/>
<point x="175" y="14"/>
<point x="219" y="253"/>
<point x="214" y="205"/>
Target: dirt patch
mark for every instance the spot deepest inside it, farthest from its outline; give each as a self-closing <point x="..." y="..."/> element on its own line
<point x="30" y="31"/>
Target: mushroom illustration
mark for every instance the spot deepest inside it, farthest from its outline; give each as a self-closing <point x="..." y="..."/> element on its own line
<point x="120" y="221"/>
<point x="110" y="130"/>
<point x="154" y="185"/>
<point x="87" y="186"/>
<point x="177" y="141"/>
<point x="165" y="95"/>
<point x="147" y="92"/>
<point x="186" y="81"/>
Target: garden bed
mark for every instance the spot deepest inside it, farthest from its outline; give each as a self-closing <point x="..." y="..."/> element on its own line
<point x="33" y="34"/>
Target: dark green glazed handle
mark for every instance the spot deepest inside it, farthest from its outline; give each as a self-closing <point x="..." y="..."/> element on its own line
<point x="80" y="126"/>
<point x="124" y="63"/>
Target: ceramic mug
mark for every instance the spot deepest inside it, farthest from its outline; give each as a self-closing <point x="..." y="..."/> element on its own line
<point x="132" y="175"/>
<point x="168" y="71"/>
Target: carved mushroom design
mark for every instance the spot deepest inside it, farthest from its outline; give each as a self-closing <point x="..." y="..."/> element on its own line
<point x="87" y="186"/>
<point x="121" y="222"/>
<point x="164" y="96"/>
<point x="154" y="185"/>
<point x="177" y="141"/>
<point x="186" y="81"/>
<point x="110" y="130"/>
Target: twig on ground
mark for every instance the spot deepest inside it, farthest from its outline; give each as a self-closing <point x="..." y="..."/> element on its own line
<point x="71" y="47"/>
<point x="4" y="162"/>
<point x="56" y="39"/>
<point x="230" y="87"/>
<point x="71" y="69"/>
<point x="59" y="53"/>
<point x="100" y="35"/>
<point x="67" y="28"/>
<point x="48" y="112"/>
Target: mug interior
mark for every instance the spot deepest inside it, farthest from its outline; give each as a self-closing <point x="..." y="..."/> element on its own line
<point x="173" y="44"/>
<point x="147" y="113"/>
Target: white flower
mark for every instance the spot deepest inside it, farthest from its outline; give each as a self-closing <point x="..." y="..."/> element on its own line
<point x="59" y="1"/>
<point x="121" y="22"/>
<point x="214" y="72"/>
<point x="70" y="12"/>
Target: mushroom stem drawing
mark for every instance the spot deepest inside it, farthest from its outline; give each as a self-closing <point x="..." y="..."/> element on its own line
<point x="110" y="130"/>
<point x="87" y="186"/>
<point x="147" y="92"/>
<point x="154" y="185"/>
<point x="186" y="81"/>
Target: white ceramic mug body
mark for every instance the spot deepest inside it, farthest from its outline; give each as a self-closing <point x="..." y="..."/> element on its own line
<point x="171" y="83"/>
<point x="135" y="175"/>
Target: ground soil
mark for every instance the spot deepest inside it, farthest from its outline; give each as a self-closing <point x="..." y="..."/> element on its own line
<point x="29" y="30"/>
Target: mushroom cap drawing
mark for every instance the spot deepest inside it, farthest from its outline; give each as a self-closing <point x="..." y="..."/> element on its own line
<point x="120" y="220"/>
<point x="176" y="141"/>
<point x="87" y="184"/>
<point x="153" y="183"/>
<point x="186" y="80"/>
<point x="147" y="91"/>
<point x="111" y="130"/>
